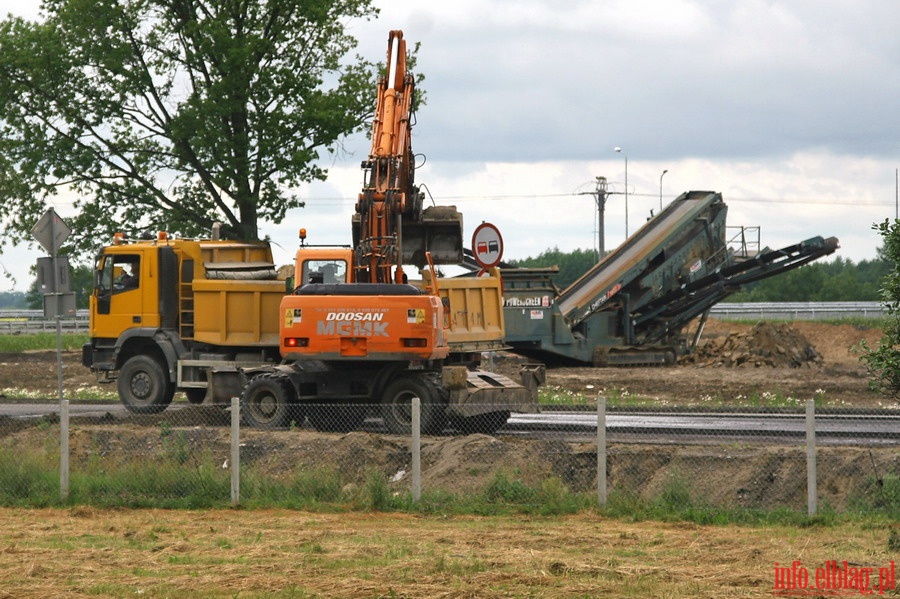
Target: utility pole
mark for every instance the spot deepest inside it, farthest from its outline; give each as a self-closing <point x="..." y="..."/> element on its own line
<point x="600" y="197"/>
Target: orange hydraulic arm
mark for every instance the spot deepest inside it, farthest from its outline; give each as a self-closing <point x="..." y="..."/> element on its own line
<point x="388" y="190"/>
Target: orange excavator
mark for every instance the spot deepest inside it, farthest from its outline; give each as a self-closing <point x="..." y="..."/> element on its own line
<point x="355" y="334"/>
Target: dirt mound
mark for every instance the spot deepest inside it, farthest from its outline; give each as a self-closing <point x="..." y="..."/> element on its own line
<point x="776" y="345"/>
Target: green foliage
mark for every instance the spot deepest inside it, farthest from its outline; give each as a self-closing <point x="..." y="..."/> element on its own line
<point x="378" y="494"/>
<point x="173" y="115"/>
<point x="168" y="480"/>
<point x="675" y="504"/>
<point x="571" y="264"/>
<point x="503" y="490"/>
<point x="883" y="362"/>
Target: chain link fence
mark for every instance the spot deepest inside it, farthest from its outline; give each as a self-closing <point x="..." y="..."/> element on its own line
<point x="810" y="460"/>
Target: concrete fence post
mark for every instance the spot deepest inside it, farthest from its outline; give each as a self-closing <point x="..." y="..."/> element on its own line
<point x="811" y="491"/>
<point x="416" y="448"/>
<point x="235" y="451"/>
<point x="601" y="451"/>
<point x="64" y="449"/>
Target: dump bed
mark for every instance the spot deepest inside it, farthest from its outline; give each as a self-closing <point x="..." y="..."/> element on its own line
<point x="237" y="312"/>
<point x="475" y="312"/>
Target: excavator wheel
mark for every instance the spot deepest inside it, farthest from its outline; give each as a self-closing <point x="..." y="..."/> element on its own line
<point x="143" y="385"/>
<point x="396" y="405"/>
<point x="268" y="401"/>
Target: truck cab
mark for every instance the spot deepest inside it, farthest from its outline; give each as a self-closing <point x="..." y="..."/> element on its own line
<point x="171" y="315"/>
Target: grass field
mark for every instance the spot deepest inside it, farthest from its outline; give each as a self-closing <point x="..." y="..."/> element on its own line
<point x="86" y="552"/>
<point x="38" y="341"/>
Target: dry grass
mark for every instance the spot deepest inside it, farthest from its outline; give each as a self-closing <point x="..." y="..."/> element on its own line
<point x="85" y="552"/>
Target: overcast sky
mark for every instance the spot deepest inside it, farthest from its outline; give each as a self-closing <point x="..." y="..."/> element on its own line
<point x="785" y="107"/>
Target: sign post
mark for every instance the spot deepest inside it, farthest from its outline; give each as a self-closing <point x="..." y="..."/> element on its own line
<point x="53" y="278"/>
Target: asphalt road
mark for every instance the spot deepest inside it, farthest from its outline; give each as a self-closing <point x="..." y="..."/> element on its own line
<point x="850" y="428"/>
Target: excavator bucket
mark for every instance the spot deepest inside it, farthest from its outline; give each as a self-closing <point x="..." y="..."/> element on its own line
<point x="439" y="231"/>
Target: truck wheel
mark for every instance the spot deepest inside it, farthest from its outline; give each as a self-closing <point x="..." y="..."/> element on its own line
<point x="144" y="386"/>
<point x="336" y="418"/>
<point x="396" y="406"/>
<point x="268" y="402"/>
<point x="487" y="424"/>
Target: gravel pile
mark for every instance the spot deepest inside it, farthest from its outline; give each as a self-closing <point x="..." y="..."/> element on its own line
<point x="765" y="345"/>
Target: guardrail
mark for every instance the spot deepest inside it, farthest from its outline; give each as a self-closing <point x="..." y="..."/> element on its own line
<point x="797" y="310"/>
<point x="17" y="322"/>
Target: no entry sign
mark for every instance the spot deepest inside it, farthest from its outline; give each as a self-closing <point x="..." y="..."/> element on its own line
<point x="487" y="245"/>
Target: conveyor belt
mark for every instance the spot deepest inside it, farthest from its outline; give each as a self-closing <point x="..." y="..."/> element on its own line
<point x="610" y="274"/>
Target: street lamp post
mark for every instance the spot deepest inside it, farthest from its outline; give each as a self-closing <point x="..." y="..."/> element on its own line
<point x="660" y="188"/>
<point x="619" y="151"/>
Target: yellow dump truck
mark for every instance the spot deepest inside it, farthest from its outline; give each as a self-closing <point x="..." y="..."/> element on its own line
<point x="171" y="315"/>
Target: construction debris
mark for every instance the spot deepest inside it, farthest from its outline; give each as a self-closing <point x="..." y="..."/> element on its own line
<point x="766" y="344"/>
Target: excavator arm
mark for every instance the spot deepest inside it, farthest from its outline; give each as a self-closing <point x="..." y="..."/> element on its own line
<point x="390" y="227"/>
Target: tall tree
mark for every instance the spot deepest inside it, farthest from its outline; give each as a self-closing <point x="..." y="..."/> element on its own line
<point x="174" y="114"/>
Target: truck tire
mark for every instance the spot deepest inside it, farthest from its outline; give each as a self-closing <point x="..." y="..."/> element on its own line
<point x="268" y="401"/>
<point x="336" y="417"/>
<point x="396" y="405"/>
<point x="144" y="386"/>
<point x="487" y="424"/>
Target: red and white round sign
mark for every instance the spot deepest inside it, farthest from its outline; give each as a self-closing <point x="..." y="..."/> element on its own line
<point x="487" y="245"/>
